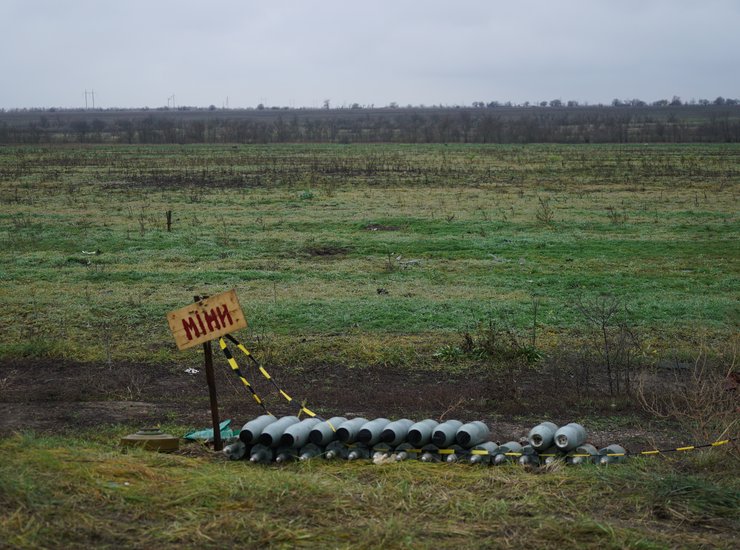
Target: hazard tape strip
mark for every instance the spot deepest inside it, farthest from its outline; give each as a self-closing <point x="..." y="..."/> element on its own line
<point x="235" y="368"/>
<point x="676" y="450"/>
<point x="646" y="453"/>
<point x="481" y="452"/>
<point x="303" y="410"/>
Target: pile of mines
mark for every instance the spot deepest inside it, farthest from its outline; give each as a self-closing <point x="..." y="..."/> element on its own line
<point x="268" y="439"/>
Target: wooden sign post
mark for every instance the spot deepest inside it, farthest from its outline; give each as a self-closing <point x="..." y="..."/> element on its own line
<point x="201" y="322"/>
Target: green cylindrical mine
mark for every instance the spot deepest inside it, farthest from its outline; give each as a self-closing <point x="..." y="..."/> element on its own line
<point x="382" y="448"/>
<point x="324" y="433"/>
<point x="370" y="432"/>
<point x="297" y="434"/>
<point x="309" y="451"/>
<point x="509" y="447"/>
<point x="570" y="436"/>
<point x="472" y="434"/>
<point x="407" y="451"/>
<point x="585" y="454"/>
<point x="430" y="453"/>
<point x="489" y="447"/>
<point x="251" y="431"/>
<point x="336" y="449"/>
<point x="358" y="451"/>
<point x="347" y="431"/>
<point x="542" y="436"/>
<point x="612" y="454"/>
<point x="236" y="450"/>
<point x="286" y="454"/>
<point x="420" y="434"/>
<point x="395" y="433"/>
<point x="151" y="439"/>
<point x="272" y="433"/>
<point x="455" y="456"/>
<point x="550" y="455"/>
<point x="261" y="454"/>
<point x="444" y="434"/>
<point x="529" y="456"/>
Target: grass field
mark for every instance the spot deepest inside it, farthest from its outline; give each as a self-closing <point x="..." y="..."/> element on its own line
<point x="369" y="273"/>
<point x="308" y="234"/>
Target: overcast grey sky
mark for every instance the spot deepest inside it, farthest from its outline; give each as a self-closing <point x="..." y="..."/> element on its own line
<point x="136" y="53"/>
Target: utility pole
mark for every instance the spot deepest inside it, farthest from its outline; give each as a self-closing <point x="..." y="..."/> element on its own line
<point x="92" y="95"/>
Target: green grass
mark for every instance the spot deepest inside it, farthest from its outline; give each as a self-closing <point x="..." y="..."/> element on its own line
<point x="291" y="228"/>
<point x="82" y="490"/>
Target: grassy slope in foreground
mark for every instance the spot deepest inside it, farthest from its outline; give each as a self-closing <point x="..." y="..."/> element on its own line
<point x="75" y="491"/>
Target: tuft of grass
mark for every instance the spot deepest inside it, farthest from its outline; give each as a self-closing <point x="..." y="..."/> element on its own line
<point x="694" y="500"/>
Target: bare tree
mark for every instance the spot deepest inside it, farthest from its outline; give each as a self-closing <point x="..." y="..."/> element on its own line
<point x="615" y="343"/>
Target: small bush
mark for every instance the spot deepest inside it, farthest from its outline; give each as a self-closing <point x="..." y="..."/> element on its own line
<point x="613" y="345"/>
<point x="615" y="216"/>
<point x="545" y="214"/>
<point x="495" y="343"/>
<point x="700" y="396"/>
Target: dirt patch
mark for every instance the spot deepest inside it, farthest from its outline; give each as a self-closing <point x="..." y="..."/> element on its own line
<point x="63" y="415"/>
<point x="327" y="250"/>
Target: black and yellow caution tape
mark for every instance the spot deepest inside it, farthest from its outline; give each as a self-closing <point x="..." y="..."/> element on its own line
<point x="235" y="367"/>
<point x="642" y="453"/>
<point x="232" y="362"/>
<point x="639" y="453"/>
<point x="482" y="452"/>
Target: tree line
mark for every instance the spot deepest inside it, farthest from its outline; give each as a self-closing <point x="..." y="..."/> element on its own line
<point x="622" y="122"/>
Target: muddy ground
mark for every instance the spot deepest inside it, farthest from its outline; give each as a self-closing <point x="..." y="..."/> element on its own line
<point x="62" y="396"/>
